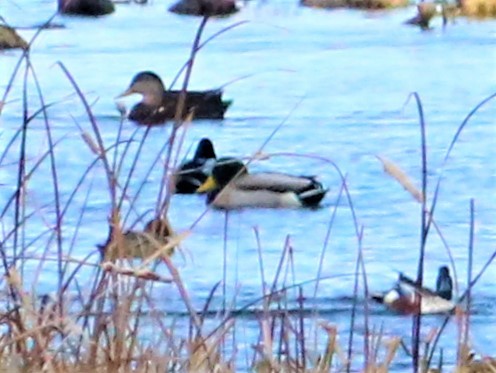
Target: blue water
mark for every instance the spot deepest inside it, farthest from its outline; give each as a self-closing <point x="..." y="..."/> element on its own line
<point x="338" y="81"/>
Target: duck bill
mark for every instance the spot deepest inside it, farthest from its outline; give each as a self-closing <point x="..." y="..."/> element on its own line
<point x="127" y="92"/>
<point x="207" y="185"/>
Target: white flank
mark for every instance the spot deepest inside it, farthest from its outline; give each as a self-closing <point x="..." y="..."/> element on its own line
<point x="431" y="305"/>
<point x="290" y="199"/>
<point x="391" y="296"/>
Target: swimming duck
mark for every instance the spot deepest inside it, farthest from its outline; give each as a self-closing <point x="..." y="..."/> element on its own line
<point x="401" y="298"/>
<point x="204" y="7"/>
<point x="93" y="8"/>
<point x="231" y="186"/>
<point x="159" y="104"/>
<point x="193" y="173"/>
<point x="138" y="244"/>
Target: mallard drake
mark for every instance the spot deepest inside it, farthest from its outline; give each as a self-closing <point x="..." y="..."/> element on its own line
<point x="193" y="173"/>
<point x="159" y="104"/>
<point x="231" y="186"/>
<point x="401" y="298"/>
<point x="138" y="244"/>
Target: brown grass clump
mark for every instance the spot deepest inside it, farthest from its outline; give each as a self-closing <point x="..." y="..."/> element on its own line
<point x="378" y="4"/>
<point x="479" y="8"/>
<point x="356" y="4"/>
<point x="483" y="365"/>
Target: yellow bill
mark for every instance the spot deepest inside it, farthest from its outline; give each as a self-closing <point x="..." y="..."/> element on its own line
<point x="208" y="185"/>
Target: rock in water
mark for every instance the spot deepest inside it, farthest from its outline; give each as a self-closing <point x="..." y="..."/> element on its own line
<point x="10" y="39"/>
<point x="92" y="8"/>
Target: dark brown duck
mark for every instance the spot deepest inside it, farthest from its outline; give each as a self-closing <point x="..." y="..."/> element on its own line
<point x="159" y="105"/>
<point x="204" y="7"/>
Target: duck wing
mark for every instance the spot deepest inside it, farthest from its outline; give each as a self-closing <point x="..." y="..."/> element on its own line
<point x="309" y="191"/>
<point x="275" y="182"/>
<point x="151" y="115"/>
<point x="205" y="104"/>
<point x="231" y="197"/>
<point x="412" y="285"/>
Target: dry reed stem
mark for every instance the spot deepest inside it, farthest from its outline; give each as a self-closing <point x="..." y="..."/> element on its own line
<point x="205" y="354"/>
<point x="484" y="365"/>
<point x="91" y="143"/>
<point x="165" y="250"/>
<point x="325" y="363"/>
<point x="266" y="364"/>
<point x="400" y="176"/>
<point x="336" y="348"/>
<point x="143" y="274"/>
<point x="35" y="331"/>
<point x="392" y="346"/>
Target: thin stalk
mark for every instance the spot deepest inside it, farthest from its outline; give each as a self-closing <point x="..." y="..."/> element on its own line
<point x="224" y="264"/>
<point x="417" y="318"/>
<point x="358" y="265"/>
<point x="469" y="275"/>
<point x="301" y="336"/>
<point x="133" y="167"/>
<point x="56" y="192"/>
<point x="24" y="55"/>
<point x="200" y="46"/>
<point x="178" y="119"/>
<point x="327" y="239"/>
<point x="260" y="260"/>
<point x="366" y="346"/>
<point x="108" y="171"/>
<point x="22" y="164"/>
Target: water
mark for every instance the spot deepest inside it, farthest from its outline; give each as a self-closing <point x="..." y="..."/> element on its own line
<point x="338" y="80"/>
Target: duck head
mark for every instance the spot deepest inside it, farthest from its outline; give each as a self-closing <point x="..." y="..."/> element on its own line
<point x="205" y="150"/>
<point x="444" y="283"/>
<point x="159" y="228"/>
<point x="147" y="84"/>
<point x="223" y="172"/>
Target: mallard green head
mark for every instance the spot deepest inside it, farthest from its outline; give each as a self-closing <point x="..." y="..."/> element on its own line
<point x="223" y="172"/>
<point x="205" y="150"/>
<point x="147" y="84"/>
